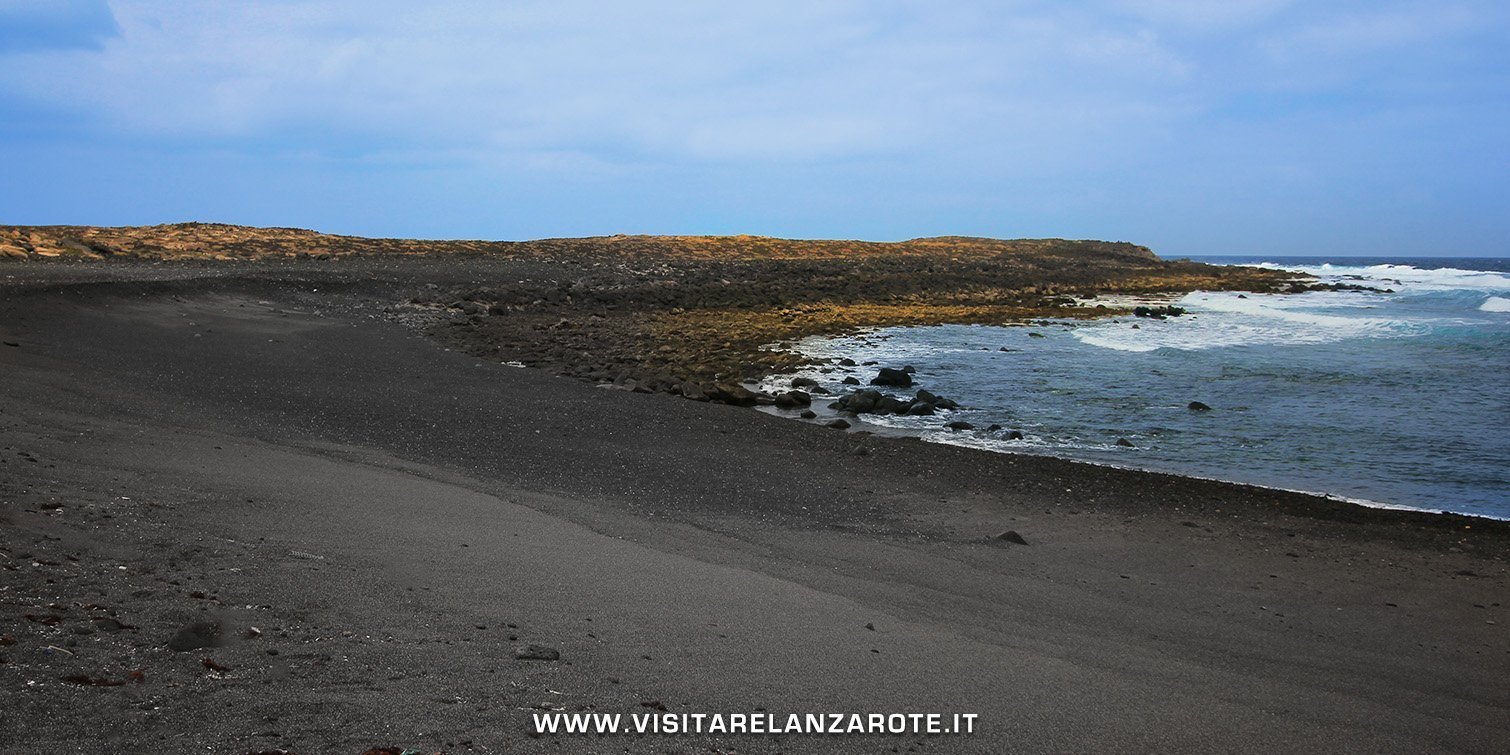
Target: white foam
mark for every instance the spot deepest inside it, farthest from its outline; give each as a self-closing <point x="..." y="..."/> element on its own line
<point x="1410" y="277"/>
<point x="1495" y="304"/>
<point x="1221" y="319"/>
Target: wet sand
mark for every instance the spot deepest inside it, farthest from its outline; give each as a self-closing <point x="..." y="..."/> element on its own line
<point x="261" y="446"/>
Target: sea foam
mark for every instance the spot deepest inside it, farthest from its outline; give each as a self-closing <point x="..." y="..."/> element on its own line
<point x="1220" y="319"/>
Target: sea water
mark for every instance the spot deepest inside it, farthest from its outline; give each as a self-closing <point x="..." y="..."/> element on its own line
<point x="1398" y="397"/>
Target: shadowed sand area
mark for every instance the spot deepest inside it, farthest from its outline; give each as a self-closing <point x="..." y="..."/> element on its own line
<point x="260" y="445"/>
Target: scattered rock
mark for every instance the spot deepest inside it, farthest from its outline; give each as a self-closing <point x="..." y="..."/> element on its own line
<point x="1014" y="435"/>
<point x="1011" y="536"/>
<point x="1196" y="406"/>
<point x="850" y="380"/>
<point x="803" y="382"/>
<point x="536" y="653"/>
<point x="793" y="399"/>
<point x="808" y="414"/>
<point x="1124" y="442"/>
<point x="736" y="395"/>
<point x="960" y="424"/>
<point x="839" y="423"/>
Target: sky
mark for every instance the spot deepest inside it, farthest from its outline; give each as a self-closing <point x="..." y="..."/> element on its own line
<point x="1326" y="127"/>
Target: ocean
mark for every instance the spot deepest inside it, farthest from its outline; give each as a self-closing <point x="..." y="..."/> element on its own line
<point x="1398" y="398"/>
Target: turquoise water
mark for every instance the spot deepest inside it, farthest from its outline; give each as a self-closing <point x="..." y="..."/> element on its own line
<point x="1398" y="398"/>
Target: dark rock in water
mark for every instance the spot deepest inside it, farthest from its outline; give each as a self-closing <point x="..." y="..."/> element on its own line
<point x="1014" y="435"/>
<point x="802" y="382"/>
<point x="200" y="634"/>
<point x="910" y="370"/>
<point x="1011" y="536"/>
<point x="945" y="403"/>
<point x="1158" y="313"/>
<point x="839" y="423"/>
<point x="920" y="410"/>
<point x="847" y="362"/>
<point x="993" y="428"/>
<point x="793" y="399"/>
<point x="871" y="363"/>
<point x="892" y="377"/>
<point x="536" y="653"/>
<point x="851" y="380"/>
<point x="1124" y="442"/>
<point x="960" y="425"/>
<point x="1196" y="406"/>
<point x="1036" y="334"/>
<point x="860" y="402"/>
<point x="891" y="404"/>
<point x="809" y="414"/>
<point x="1003" y="349"/>
<point x="927" y="397"/>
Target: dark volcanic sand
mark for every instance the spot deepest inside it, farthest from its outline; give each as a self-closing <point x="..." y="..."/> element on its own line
<point x="396" y="519"/>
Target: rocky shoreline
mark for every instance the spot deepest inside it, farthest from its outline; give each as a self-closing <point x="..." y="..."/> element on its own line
<point x="702" y="317"/>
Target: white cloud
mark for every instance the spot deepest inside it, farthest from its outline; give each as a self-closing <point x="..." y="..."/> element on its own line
<point x="774" y="80"/>
<point x="1014" y="90"/>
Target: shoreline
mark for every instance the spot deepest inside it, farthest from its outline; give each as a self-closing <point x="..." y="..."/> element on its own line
<point x="194" y="271"/>
<point x="964" y="376"/>
<point x="865" y="427"/>
<point x="405" y="526"/>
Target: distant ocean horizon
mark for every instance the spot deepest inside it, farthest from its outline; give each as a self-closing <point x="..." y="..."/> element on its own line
<point x="1396" y="397"/>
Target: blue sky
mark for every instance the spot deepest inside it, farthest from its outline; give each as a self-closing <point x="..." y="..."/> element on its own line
<point x="1241" y="126"/>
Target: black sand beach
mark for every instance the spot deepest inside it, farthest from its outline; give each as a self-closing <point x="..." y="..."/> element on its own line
<point x="261" y="444"/>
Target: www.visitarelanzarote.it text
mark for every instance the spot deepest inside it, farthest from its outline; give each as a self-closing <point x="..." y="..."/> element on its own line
<point x="755" y="723"/>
